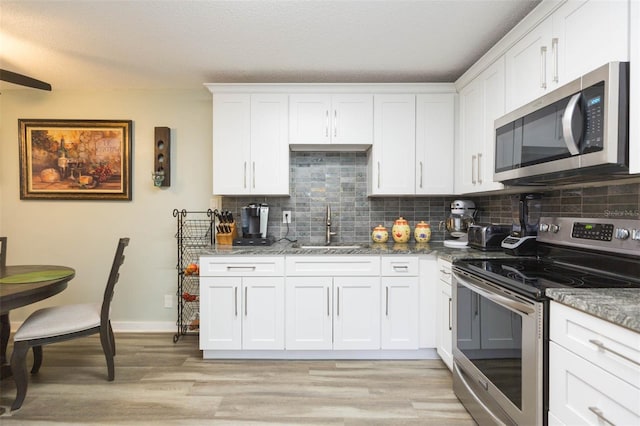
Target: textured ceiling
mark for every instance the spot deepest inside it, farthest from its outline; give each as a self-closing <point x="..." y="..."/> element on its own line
<point x="81" y="44"/>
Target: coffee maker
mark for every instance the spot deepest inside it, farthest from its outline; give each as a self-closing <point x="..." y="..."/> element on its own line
<point x="463" y="213"/>
<point x="525" y="214"/>
<point x="254" y="218"/>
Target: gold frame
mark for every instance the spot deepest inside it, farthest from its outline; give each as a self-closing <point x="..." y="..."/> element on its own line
<point x="75" y="159"/>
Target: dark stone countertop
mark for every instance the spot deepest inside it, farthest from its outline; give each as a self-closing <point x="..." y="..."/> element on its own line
<point x="436" y="248"/>
<point x="620" y="306"/>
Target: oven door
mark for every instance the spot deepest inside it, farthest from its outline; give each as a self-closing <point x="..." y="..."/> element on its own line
<point x="498" y="352"/>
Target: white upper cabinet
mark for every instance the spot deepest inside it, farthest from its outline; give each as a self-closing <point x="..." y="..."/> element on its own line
<point x="481" y="102"/>
<point x="434" y="144"/>
<point x="250" y="146"/>
<point x="391" y="159"/>
<point x="336" y="119"/>
<point x="578" y="37"/>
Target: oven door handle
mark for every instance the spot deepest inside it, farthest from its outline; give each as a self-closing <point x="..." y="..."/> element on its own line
<point x="485" y="291"/>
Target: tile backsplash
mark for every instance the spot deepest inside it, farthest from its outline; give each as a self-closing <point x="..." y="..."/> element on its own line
<point x="339" y="179"/>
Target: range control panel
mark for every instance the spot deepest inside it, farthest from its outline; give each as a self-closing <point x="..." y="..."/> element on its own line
<point x="613" y="235"/>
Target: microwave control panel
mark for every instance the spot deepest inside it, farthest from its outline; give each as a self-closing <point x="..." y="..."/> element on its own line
<point x="594" y="118"/>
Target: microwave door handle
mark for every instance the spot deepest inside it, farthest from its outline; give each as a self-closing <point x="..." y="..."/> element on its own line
<point x="567" y="127"/>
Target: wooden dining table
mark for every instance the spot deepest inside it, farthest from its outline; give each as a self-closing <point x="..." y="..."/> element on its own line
<point x="22" y="285"/>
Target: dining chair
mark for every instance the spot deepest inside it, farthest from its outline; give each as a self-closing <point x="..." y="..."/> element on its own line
<point x="3" y="252"/>
<point x="61" y="323"/>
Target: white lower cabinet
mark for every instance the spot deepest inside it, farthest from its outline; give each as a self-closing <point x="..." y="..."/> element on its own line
<point x="444" y="314"/>
<point x="332" y="313"/>
<point x="324" y="311"/>
<point x="594" y="370"/>
<point x="400" y="303"/>
<point x="238" y="310"/>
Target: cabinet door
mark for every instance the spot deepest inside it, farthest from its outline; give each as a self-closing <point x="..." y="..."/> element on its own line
<point x="399" y="313"/>
<point x="528" y="66"/>
<point x="263" y="313"/>
<point x="220" y="313"/>
<point x="356" y="313"/>
<point x="269" y="166"/>
<point x="471" y="133"/>
<point x="392" y="171"/>
<point x="231" y="144"/>
<point x="309" y="313"/>
<point x="434" y="144"/>
<point x="444" y="337"/>
<point x="493" y="101"/>
<point x="582" y="46"/>
<point x="309" y="119"/>
<point x="352" y="119"/>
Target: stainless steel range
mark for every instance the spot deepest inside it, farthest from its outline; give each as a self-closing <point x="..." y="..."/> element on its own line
<point x="501" y="313"/>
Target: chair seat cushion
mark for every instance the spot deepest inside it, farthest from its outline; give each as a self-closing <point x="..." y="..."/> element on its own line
<point x="59" y="320"/>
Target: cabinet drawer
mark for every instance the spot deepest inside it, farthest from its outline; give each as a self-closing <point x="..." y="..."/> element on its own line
<point x="444" y="271"/>
<point x="581" y="393"/>
<point x="611" y="347"/>
<point x="229" y="266"/>
<point x="399" y="266"/>
<point x="328" y="266"/>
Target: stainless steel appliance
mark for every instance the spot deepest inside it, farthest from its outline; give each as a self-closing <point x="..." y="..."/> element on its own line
<point x="525" y="215"/>
<point x="487" y="237"/>
<point x="501" y="313"/>
<point x="463" y="213"/>
<point x="577" y="130"/>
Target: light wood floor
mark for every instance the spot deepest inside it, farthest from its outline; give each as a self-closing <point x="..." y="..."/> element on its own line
<point x="161" y="382"/>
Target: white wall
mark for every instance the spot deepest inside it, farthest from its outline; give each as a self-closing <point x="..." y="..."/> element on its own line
<point x="84" y="234"/>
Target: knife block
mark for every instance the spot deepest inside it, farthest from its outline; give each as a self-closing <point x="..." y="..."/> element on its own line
<point x="226" y="239"/>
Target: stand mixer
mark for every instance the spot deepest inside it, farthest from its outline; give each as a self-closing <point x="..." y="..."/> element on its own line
<point x="463" y="213"/>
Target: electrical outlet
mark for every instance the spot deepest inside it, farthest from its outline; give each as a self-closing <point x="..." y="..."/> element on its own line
<point x="286" y="216"/>
<point x="168" y="301"/>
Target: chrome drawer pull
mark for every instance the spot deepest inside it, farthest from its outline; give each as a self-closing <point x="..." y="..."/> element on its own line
<point x="241" y="268"/>
<point x="401" y="268"/>
<point x="444" y="271"/>
<point x="598" y="412"/>
<point x="602" y="347"/>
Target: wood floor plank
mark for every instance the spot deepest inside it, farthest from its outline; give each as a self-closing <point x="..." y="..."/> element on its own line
<point x="158" y="381"/>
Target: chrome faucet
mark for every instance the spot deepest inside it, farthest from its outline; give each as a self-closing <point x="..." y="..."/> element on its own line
<point x="329" y="233"/>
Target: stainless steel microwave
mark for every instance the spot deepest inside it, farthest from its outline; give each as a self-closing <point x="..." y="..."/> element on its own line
<point x="576" y="133"/>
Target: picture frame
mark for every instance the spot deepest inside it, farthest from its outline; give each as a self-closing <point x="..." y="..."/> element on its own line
<point x="75" y="159"/>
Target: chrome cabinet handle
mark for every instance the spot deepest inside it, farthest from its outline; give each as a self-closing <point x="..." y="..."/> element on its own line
<point x="450" y="315"/>
<point x="338" y="301"/>
<point x="543" y="67"/>
<point x="241" y="268"/>
<point x="602" y="347"/>
<point x="235" y="300"/>
<point x="567" y="125"/>
<point x="335" y="123"/>
<point x="400" y="268"/>
<point x="598" y="412"/>
<point x="421" y="174"/>
<point x="253" y="174"/>
<point x="473" y="169"/>
<point x="245" y="175"/>
<point x="378" y="175"/>
<point x="554" y="52"/>
<point x="328" y="303"/>
<point x="444" y="271"/>
<point x="387" y="302"/>
<point x="245" y="301"/>
<point x="479" y="172"/>
<point x="326" y="123"/>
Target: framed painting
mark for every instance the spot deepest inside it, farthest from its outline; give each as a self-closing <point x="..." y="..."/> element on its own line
<point x="75" y="159"/>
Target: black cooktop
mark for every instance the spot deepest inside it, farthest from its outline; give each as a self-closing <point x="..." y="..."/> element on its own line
<point x="532" y="276"/>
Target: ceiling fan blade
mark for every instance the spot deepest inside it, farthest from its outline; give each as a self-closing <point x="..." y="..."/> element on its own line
<point x="23" y="80"/>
